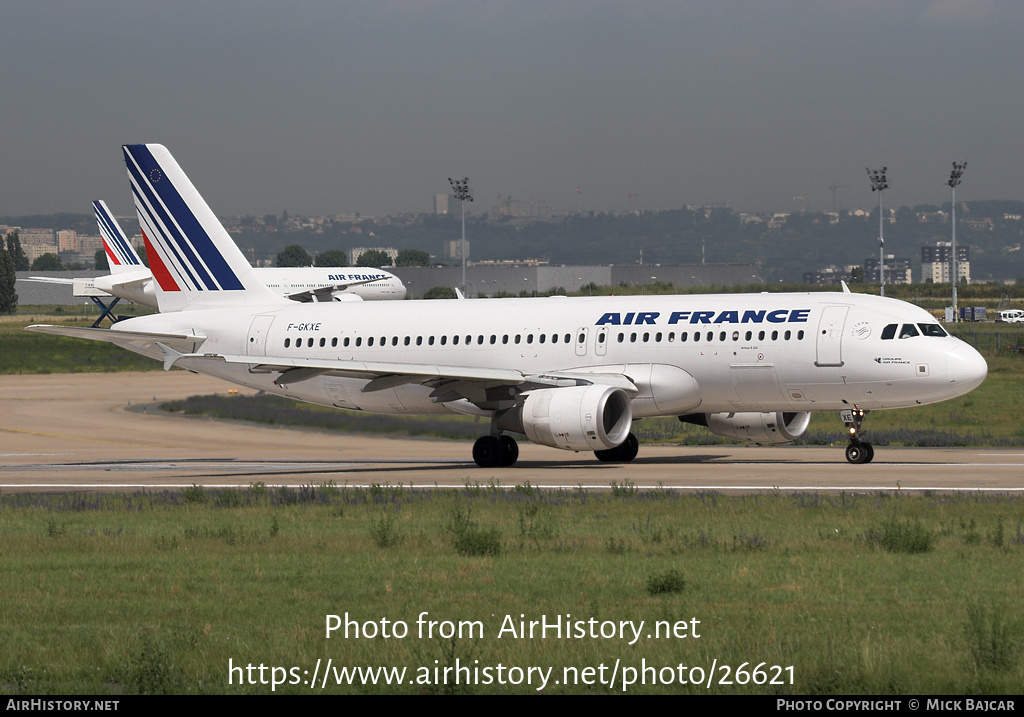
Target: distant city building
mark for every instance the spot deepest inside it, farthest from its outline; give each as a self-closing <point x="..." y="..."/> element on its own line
<point x="829" y="275"/>
<point x="453" y="250"/>
<point x="897" y="270"/>
<point x="34" y="251"/>
<point x="68" y="240"/>
<point x="37" y="237"/>
<point x="936" y="263"/>
<point x="448" y="204"/>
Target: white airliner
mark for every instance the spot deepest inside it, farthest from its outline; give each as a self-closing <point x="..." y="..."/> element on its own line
<point x="570" y="373"/>
<point x="130" y="279"/>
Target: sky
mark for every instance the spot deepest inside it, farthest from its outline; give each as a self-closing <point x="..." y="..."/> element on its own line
<point x="333" y="107"/>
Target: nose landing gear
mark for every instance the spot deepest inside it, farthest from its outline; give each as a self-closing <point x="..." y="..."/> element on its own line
<point x="858" y="451"/>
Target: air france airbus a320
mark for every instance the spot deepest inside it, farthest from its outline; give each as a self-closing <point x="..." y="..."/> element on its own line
<point x="570" y="373"/>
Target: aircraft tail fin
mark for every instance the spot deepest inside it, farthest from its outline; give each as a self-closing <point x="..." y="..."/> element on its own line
<point x="194" y="261"/>
<point x="121" y="255"/>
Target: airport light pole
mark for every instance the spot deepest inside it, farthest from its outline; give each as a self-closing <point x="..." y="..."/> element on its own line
<point x="954" y="180"/>
<point x="463" y="193"/>
<point x="878" y="184"/>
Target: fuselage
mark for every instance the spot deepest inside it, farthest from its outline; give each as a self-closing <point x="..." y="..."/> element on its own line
<point x="707" y="353"/>
<point x="367" y="284"/>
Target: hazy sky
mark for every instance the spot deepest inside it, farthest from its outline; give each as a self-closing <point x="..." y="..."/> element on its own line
<point x="324" y="107"/>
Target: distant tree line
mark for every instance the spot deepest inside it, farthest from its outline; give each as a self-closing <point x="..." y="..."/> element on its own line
<point x="296" y="255"/>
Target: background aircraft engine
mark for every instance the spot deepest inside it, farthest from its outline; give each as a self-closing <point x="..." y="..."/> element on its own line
<point x="579" y="418"/>
<point x="779" y="427"/>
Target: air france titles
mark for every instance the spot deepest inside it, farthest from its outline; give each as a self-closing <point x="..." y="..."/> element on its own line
<point x="749" y="316"/>
<point x="355" y="277"/>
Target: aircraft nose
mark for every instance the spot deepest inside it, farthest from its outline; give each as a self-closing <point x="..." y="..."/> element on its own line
<point x="965" y="369"/>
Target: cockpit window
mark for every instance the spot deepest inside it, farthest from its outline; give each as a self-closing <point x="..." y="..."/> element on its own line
<point x="908" y="331"/>
<point x="932" y="330"/>
<point x="889" y="331"/>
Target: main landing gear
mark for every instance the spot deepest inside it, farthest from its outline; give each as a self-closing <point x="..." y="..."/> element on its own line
<point x="495" y="451"/>
<point x="503" y="451"/>
<point x="622" y="453"/>
<point x="858" y="451"/>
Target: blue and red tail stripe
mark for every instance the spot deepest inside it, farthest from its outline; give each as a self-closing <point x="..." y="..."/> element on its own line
<point x="115" y="243"/>
<point x="159" y="269"/>
<point x="173" y="225"/>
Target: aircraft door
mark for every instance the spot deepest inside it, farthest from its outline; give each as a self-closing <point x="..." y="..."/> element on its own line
<point x="256" y="345"/>
<point x="601" y="341"/>
<point x="830" y="336"/>
<point x="581" y="341"/>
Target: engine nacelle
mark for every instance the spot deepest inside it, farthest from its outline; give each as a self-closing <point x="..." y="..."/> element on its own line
<point x="780" y="427"/>
<point x="576" y="418"/>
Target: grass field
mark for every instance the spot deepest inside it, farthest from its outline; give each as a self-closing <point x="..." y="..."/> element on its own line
<point x="857" y="594"/>
<point x="31" y="352"/>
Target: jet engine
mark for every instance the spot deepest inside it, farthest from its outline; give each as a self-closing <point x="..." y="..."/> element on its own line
<point x="576" y="418"/>
<point x="780" y="427"/>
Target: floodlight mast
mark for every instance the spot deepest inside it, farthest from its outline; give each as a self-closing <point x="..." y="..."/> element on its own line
<point x="954" y="180"/>
<point x="879" y="183"/>
<point x="463" y="193"/>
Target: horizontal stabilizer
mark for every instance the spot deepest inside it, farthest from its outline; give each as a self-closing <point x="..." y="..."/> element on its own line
<point x="184" y="343"/>
<point x="48" y="280"/>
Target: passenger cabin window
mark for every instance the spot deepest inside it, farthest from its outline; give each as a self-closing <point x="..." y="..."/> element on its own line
<point x="889" y="331"/>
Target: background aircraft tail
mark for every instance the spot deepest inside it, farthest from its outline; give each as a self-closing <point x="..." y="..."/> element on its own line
<point x="194" y="261"/>
<point x="121" y="255"/>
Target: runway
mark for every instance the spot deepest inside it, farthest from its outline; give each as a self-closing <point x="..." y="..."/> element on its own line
<point x="92" y="432"/>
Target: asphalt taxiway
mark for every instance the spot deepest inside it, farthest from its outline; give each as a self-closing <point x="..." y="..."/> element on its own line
<point x="104" y="432"/>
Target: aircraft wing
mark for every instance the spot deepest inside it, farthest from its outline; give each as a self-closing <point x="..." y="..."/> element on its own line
<point x="325" y="293"/>
<point x="481" y="386"/>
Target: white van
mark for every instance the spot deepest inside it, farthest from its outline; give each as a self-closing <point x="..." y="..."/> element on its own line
<point x="1011" y="316"/>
